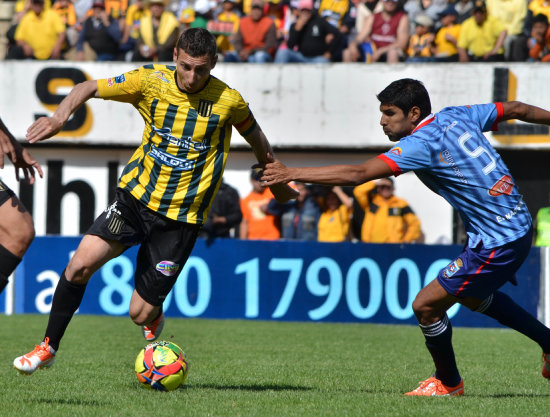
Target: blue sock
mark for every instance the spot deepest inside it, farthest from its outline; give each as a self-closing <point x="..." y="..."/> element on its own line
<point x="439" y="342"/>
<point x="503" y="309"/>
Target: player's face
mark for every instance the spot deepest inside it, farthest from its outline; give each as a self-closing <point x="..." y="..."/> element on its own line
<point x="192" y="72"/>
<point x="395" y="123"/>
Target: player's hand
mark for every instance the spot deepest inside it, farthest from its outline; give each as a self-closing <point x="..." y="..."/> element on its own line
<point x="275" y="172"/>
<point x="43" y="128"/>
<point x="6" y="149"/>
<point x="28" y="164"/>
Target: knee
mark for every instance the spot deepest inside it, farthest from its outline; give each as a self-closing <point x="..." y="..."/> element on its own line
<point x="424" y="313"/>
<point x="78" y="271"/>
<point x="140" y="316"/>
<point x="21" y="237"/>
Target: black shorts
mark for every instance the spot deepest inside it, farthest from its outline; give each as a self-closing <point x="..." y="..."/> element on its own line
<point x="5" y="193"/>
<point x="165" y="244"/>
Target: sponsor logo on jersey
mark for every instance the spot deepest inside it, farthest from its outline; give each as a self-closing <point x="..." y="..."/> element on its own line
<point x="167" y="268"/>
<point x="396" y="151"/>
<point x="160" y="76"/>
<point x="110" y="82"/>
<point x="205" y="107"/>
<point x="120" y="79"/>
<point x="452" y="268"/>
<point x="448" y="159"/>
<point x="505" y="185"/>
<point x="171" y="160"/>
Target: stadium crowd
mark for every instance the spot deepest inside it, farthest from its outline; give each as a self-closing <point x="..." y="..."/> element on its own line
<point x="370" y="213"/>
<point x="283" y="31"/>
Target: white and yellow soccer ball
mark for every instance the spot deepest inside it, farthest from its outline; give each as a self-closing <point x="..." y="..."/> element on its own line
<point x="161" y="366"/>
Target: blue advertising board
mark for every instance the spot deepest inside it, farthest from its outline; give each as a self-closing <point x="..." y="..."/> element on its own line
<point x="281" y="280"/>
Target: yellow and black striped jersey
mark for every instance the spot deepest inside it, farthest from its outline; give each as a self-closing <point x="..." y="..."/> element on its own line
<point x="177" y="169"/>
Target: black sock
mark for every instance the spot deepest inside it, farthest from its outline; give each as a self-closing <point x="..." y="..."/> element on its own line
<point x="439" y="343"/>
<point x="503" y="309"/>
<point x="66" y="300"/>
<point x="8" y="263"/>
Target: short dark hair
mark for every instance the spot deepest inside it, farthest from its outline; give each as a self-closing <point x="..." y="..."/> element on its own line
<point x="406" y="94"/>
<point x="540" y="18"/>
<point x="197" y="42"/>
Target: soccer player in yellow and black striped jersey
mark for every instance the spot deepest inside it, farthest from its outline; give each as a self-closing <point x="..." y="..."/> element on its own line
<point x="167" y="187"/>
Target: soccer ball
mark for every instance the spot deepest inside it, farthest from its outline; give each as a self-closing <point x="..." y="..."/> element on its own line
<point x="161" y="366"/>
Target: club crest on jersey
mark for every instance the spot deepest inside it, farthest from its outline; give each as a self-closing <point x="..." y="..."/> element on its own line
<point x="502" y="186"/>
<point x="167" y="268"/>
<point x="452" y="268"/>
<point x="205" y="107"/>
<point x="396" y="151"/>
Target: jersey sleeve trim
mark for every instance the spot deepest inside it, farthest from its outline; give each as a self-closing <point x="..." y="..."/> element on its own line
<point x="394" y="167"/>
<point x="500" y="113"/>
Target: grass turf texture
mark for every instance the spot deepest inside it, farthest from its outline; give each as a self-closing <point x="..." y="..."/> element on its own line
<point x="251" y="368"/>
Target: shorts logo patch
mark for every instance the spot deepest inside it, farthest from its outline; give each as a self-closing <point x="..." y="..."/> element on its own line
<point x="167" y="268"/>
<point x="3" y="186"/>
<point x="115" y="224"/>
<point x="452" y="268"/>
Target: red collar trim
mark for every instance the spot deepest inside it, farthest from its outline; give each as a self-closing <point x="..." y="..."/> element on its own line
<point x="424" y="122"/>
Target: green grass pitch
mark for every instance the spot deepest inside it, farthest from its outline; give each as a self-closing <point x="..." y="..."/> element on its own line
<point x="253" y="368"/>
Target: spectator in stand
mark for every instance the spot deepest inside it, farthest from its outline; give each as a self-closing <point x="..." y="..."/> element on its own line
<point x="130" y="33"/>
<point x="39" y="35"/>
<point x="257" y="223"/>
<point x="225" y="26"/>
<point x="539" y="43"/>
<point x="421" y="42"/>
<point x="335" y="219"/>
<point x="280" y="12"/>
<point x="385" y="36"/>
<point x="65" y="10"/>
<point x="387" y="218"/>
<point x="204" y="13"/>
<point x="311" y="38"/>
<point x="158" y="33"/>
<point x="225" y="214"/>
<point x="446" y="38"/>
<point x="187" y="18"/>
<point x="481" y="37"/>
<point x="256" y="39"/>
<point x="338" y="14"/>
<point x="364" y="9"/>
<point x="512" y="14"/>
<point x="116" y="8"/>
<point x="540" y="7"/>
<point x="300" y="217"/>
<point x="430" y="8"/>
<point x="464" y="9"/>
<point x="102" y="33"/>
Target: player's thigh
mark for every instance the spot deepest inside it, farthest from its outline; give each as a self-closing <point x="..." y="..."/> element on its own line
<point x="161" y="258"/>
<point x="92" y="253"/>
<point x="16" y="225"/>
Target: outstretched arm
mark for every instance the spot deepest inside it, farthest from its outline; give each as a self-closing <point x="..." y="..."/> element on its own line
<point x="525" y="112"/>
<point x="264" y="154"/>
<point x="46" y="127"/>
<point x="277" y="173"/>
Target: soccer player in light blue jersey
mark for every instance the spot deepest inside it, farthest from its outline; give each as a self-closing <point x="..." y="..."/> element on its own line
<point x="449" y="153"/>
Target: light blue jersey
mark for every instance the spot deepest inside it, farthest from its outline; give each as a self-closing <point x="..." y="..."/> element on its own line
<point x="449" y="153"/>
